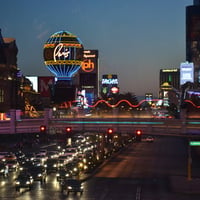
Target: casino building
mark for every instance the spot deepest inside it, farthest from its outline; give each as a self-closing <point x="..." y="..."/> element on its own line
<point x="9" y="82"/>
<point x="193" y="38"/>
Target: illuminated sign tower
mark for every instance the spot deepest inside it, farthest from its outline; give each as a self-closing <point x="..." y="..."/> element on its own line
<point x="88" y="75"/>
<point x="172" y="76"/>
<point x="109" y="85"/>
<point x="63" y="55"/>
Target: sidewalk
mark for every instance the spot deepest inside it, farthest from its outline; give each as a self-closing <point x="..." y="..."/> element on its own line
<point x="181" y="184"/>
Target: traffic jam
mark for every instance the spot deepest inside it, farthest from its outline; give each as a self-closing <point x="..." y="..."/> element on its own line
<point x="70" y="162"/>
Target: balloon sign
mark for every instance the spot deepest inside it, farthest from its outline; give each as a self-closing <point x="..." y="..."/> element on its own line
<point x="63" y="54"/>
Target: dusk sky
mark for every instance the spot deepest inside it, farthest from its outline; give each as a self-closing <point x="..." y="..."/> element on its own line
<point x="135" y="38"/>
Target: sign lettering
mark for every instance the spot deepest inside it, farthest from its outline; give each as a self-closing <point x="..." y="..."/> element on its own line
<point x="60" y="51"/>
<point x="88" y="66"/>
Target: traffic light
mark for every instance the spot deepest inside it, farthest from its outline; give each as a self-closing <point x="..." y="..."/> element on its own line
<point x="138" y="135"/>
<point x="109" y="134"/>
<point x="68" y="129"/>
<point x="42" y="129"/>
<point x="110" y="131"/>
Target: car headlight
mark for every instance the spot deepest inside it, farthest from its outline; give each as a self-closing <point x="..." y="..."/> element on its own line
<point x="69" y="187"/>
<point x="17" y="182"/>
<point x="75" y="169"/>
<point x="39" y="175"/>
<point x="2" y="170"/>
<point x="27" y="182"/>
<point x="54" y="165"/>
<point x="57" y="175"/>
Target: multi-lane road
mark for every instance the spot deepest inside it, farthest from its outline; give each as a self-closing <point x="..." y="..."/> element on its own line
<point x="141" y="171"/>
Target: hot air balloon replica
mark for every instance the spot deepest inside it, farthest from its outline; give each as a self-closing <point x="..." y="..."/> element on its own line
<point x="63" y="56"/>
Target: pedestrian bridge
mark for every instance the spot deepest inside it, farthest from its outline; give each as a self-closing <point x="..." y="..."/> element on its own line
<point x="100" y="125"/>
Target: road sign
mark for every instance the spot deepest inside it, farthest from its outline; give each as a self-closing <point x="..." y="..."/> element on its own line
<point x="194" y="143"/>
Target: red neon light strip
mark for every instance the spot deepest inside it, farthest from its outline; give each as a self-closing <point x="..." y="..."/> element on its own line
<point x="131" y="105"/>
<point x="123" y="100"/>
<point x="188" y="101"/>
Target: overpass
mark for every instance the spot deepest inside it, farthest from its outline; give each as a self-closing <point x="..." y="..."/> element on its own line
<point x="100" y="125"/>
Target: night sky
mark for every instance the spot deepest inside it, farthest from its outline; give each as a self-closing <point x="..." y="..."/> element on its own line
<point x="135" y="38"/>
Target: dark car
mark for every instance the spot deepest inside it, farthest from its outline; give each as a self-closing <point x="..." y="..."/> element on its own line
<point x="51" y="165"/>
<point x="13" y="165"/>
<point x="72" y="185"/>
<point x="24" y="180"/>
<point x="63" y="174"/>
<point x="26" y="165"/>
<point x="38" y="173"/>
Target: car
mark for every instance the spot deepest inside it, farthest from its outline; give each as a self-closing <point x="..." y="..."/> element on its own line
<point x="38" y="173"/>
<point x="9" y="156"/>
<point x="3" y="155"/>
<point x="52" y="154"/>
<point x="26" y="165"/>
<point x="51" y="165"/>
<point x="72" y="185"/>
<point x="149" y="139"/>
<point x="30" y="156"/>
<point x="62" y="174"/>
<point x="42" y="158"/>
<point x="13" y="165"/>
<point x="24" y="180"/>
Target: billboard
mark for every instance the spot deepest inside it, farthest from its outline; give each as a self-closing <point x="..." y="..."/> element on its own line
<point x="109" y="79"/>
<point x="44" y="84"/>
<point x="63" y="54"/>
<point x="90" y="61"/>
<point x="186" y="73"/>
<point x="34" y="81"/>
<point x="88" y="74"/>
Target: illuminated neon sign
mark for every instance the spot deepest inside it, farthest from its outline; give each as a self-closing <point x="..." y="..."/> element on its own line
<point x="109" y="81"/>
<point x="186" y="73"/>
<point x="60" y="51"/>
<point x="87" y="66"/>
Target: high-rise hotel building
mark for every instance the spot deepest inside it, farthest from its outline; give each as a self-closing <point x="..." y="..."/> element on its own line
<point x="193" y="37"/>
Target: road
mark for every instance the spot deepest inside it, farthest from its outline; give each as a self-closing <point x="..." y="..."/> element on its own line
<point x="140" y="172"/>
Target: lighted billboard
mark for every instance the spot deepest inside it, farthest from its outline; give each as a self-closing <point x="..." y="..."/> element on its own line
<point x="186" y="73"/>
<point x="63" y="54"/>
<point x="88" y="74"/>
<point x="34" y="81"/>
<point x="109" y="79"/>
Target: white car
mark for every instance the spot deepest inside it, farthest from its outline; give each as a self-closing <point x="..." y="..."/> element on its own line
<point x="149" y="139"/>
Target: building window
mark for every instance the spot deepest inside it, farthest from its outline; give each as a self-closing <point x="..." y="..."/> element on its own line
<point x="1" y="95"/>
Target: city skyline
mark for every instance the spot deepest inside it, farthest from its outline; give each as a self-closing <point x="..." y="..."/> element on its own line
<point x="134" y="39"/>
